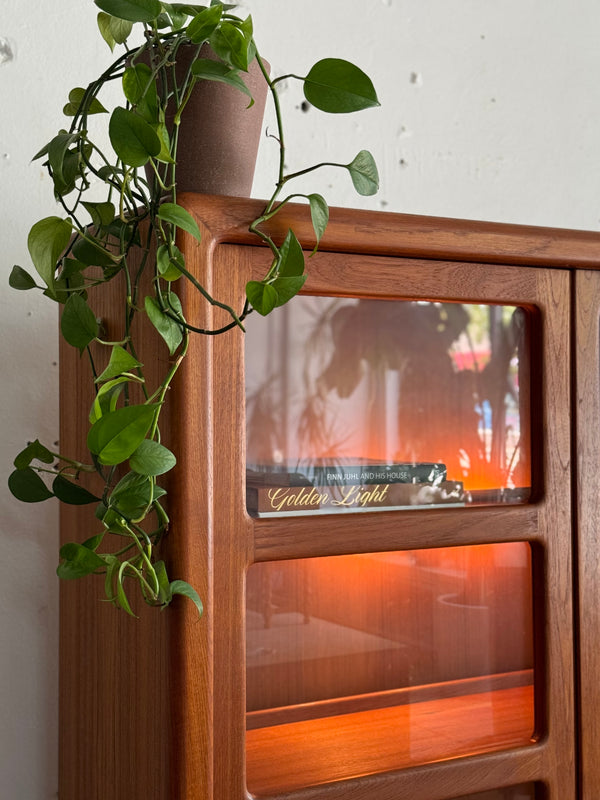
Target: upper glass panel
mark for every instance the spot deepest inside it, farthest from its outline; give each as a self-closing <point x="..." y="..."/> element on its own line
<point x="360" y="405"/>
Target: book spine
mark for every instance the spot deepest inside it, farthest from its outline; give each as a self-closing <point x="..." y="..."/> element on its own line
<point x="330" y="499"/>
<point x="345" y="474"/>
<point x="385" y="473"/>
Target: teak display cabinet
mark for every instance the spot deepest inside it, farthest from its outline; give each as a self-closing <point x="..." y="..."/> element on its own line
<point x="500" y="705"/>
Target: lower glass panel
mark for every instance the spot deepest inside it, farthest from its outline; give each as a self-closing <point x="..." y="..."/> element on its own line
<point x="365" y="663"/>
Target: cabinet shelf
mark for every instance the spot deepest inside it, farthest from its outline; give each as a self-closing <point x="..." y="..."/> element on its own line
<point x="383" y="739"/>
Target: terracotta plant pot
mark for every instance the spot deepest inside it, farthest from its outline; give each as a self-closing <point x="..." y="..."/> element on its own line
<point x="218" y="134"/>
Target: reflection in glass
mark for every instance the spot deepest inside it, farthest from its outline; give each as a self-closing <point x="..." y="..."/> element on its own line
<point x="392" y="658"/>
<point x="337" y="381"/>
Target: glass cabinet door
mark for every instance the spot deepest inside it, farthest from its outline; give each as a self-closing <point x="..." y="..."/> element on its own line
<point x="386" y="660"/>
<point x="359" y="405"/>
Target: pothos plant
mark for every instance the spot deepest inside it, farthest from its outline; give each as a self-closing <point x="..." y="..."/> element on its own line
<point x="93" y="241"/>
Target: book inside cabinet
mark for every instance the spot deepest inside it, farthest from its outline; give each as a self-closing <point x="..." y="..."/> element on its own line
<point x="380" y="528"/>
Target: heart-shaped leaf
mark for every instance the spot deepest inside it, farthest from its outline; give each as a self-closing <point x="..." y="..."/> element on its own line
<point x="20" y="279"/>
<point x="34" y="451"/>
<point x="363" y="171"/>
<point x="132" y="10"/>
<point x="291" y="257"/>
<point x="261" y="296"/>
<point x="118" y="434"/>
<point x="71" y="493"/>
<point x="132" y="496"/>
<point x="47" y="240"/>
<point x="78" y="324"/>
<point x="319" y="214"/>
<point x="27" y="486"/>
<point x="168" y="328"/>
<point x="231" y="45"/>
<point x="78" y="561"/>
<point x="183" y="588"/>
<point x="152" y="458"/>
<point x="204" y="23"/>
<point x="113" y="30"/>
<point x="133" y="139"/>
<point x="107" y="398"/>
<point x="76" y="97"/>
<point x="339" y="87"/>
<point x="180" y="217"/>
<point x="120" y="361"/>
<point x="206" y="69"/>
<point x="169" y="261"/>
<point x="287" y="288"/>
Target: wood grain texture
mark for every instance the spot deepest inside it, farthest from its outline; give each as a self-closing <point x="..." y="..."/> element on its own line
<point x="377" y="233"/>
<point x="194" y="670"/>
<point x="587" y="449"/>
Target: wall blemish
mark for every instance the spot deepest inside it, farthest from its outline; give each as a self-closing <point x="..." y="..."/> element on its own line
<point x="6" y="51"/>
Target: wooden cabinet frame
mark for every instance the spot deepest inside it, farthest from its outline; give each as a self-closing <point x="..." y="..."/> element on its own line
<point x="186" y="677"/>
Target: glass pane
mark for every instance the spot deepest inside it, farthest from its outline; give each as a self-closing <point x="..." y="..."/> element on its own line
<point x="350" y="403"/>
<point x="364" y="663"/>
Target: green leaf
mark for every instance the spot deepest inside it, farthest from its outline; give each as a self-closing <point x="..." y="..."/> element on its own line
<point x="34" y="450"/>
<point x="165" y="143"/>
<point x="27" y="486"/>
<point x="132" y="496"/>
<point x="107" y="398"/>
<point x="206" y="69"/>
<point x="71" y="268"/>
<point x="287" y="288"/>
<point x="118" y="434"/>
<point x="78" y="561"/>
<point x="152" y="458"/>
<point x="78" y="324"/>
<point x="133" y="139"/>
<point x="102" y="214"/>
<point x="183" y="588"/>
<point x="113" y="30"/>
<point x="168" y="328"/>
<point x="169" y="263"/>
<point x="339" y="87"/>
<point x="178" y="216"/>
<point x="319" y="214"/>
<point x="47" y="240"/>
<point x="92" y="253"/>
<point x="164" y="590"/>
<point x="121" y="596"/>
<point x="204" y="23"/>
<point x="132" y="10"/>
<point x="71" y="493"/>
<point x="120" y="361"/>
<point x="291" y="257"/>
<point x="178" y="18"/>
<point x="20" y="279"/>
<point x="363" y="171"/>
<point x="138" y="83"/>
<point x="63" y="163"/>
<point x="262" y="296"/>
<point x="230" y="44"/>
<point x="76" y="97"/>
<point x="94" y="542"/>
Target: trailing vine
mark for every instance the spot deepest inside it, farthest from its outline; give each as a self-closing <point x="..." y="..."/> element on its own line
<point x="94" y="241"/>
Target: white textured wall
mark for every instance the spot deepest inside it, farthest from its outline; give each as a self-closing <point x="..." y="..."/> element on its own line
<point x="490" y="111"/>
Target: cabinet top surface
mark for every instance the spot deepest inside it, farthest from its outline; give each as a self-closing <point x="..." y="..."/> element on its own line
<point x="225" y="220"/>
